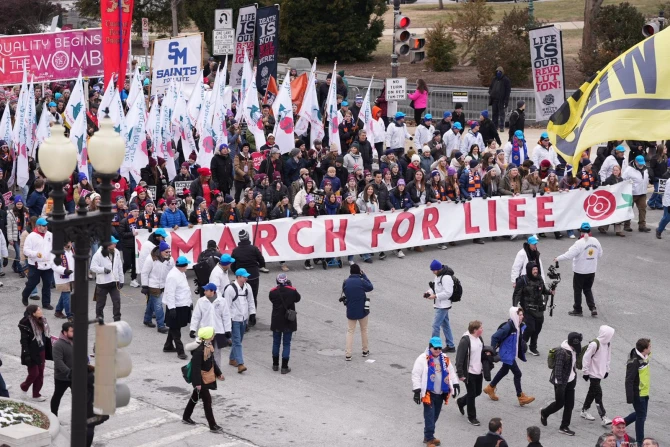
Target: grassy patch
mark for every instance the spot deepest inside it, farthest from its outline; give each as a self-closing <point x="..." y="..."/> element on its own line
<point x="13" y="413"/>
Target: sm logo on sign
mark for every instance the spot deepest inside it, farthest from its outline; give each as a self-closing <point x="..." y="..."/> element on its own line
<point x="175" y="54"/>
<point x="177" y="57"/>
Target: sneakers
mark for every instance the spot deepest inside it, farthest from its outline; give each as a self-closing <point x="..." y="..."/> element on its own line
<point x="574" y="313"/>
<point x="491" y="392"/>
<point x="284" y="268"/>
<point x="450" y="349"/>
<point x="39" y="398"/>
<point x="606" y="421"/>
<point x="572" y="236"/>
<point x="182" y="355"/>
<point x="594" y="312"/>
<point x="232" y="362"/>
<point x="474" y="422"/>
<point x="149" y="324"/>
<point x="382" y="255"/>
<point x="658" y="235"/>
<point x="348" y="358"/>
<point x="586" y="415"/>
<point x="264" y="270"/>
<point x="24" y="301"/>
<point x="461" y="408"/>
<point x="35" y="297"/>
<point x="188" y="421"/>
<point x="215" y="429"/>
<point x="366" y="353"/>
<point x="566" y="431"/>
<point x="525" y="400"/>
<point x="48" y="307"/>
<point x="351" y="262"/>
<point x="60" y="315"/>
<point x="534" y="352"/>
<point x="543" y="418"/>
<point x="163" y="330"/>
<point x="400" y="254"/>
<point x="169" y="349"/>
<point x="134" y="283"/>
<point x="442" y="246"/>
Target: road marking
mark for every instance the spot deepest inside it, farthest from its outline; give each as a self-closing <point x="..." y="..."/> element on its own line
<point x="231" y="444"/>
<point x="132" y="429"/>
<point x="176" y="437"/>
<point x="132" y="406"/>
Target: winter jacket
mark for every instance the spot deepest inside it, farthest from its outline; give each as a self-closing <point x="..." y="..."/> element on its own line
<point x="249" y="257"/>
<point x="396" y="136"/>
<point x="222" y="171"/>
<point x="401" y="201"/>
<point x="125" y="231"/>
<point x="458" y="117"/>
<point x="240" y="303"/>
<point x="171" y="219"/>
<point x="219" y="278"/>
<point x="38" y="244"/>
<point x="30" y="350"/>
<point x="13" y="233"/>
<point x="35" y="203"/>
<point x="637" y="376"/>
<point x="529" y="293"/>
<point x="490" y="440"/>
<point x="177" y="291"/>
<point x="528" y="188"/>
<point x="488" y="131"/>
<point x="596" y="360"/>
<point x="383" y="196"/>
<point x="240" y="163"/>
<point x="608" y="166"/>
<point x="507" y="340"/>
<point x="145" y="252"/>
<point x="335" y="181"/>
<point x="471" y="138"/>
<point x="62" y="353"/>
<point x="500" y="89"/>
<point x="292" y="169"/>
<point x="365" y="149"/>
<point x="505" y="186"/>
<point x="639" y="177"/>
<point x="584" y="254"/>
<point x="112" y="262"/>
<point x="522" y="258"/>
<point x="3" y="246"/>
<point x="215" y="314"/>
<point x="355" y="288"/>
<point x="59" y="270"/>
<point x="282" y="212"/>
<point x="443" y="288"/>
<point x="199" y="364"/>
<point x="540" y="153"/>
<point x="464" y="183"/>
<point x="426" y="163"/>
<point x="452" y="141"/>
<point x="443" y="126"/>
<point x="657" y="170"/>
<point x="283" y="298"/>
<point x="422" y="135"/>
<point x="420" y="99"/>
<point x="508" y="153"/>
<point x="268" y="168"/>
<point x="517" y="121"/>
<point x="415" y="196"/>
<point x="420" y="372"/>
<point x="564" y="369"/>
<point x="463" y="355"/>
<point x="155" y="270"/>
<point x="352" y="160"/>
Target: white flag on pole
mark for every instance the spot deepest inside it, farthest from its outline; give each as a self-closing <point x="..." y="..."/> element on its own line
<point x="43" y="127"/>
<point x="195" y="100"/>
<point x="331" y="114"/>
<point x="77" y="102"/>
<point x="153" y="128"/>
<point x="137" y="156"/>
<point x="283" y="111"/>
<point x="252" y="112"/>
<point x="365" y="115"/>
<point x="111" y="102"/>
<point x="78" y="136"/>
<point x="136" y="88"/>
<point x="247" y="77"/>
<point x="6" y="126"/>
<point x="309" y="113"/>
<point x="167" y="109"/>
<point x="22" y="133"/>
<point x="219" y="130"/>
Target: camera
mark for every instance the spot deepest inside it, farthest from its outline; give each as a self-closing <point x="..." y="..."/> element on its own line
<point x="343" y="300"/>
<point x="553" y="274"/>
<point x="426" y="295"/>
<point x="367" y="303"/>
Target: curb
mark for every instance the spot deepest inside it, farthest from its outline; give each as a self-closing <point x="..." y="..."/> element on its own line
<point x="54" y="423"/>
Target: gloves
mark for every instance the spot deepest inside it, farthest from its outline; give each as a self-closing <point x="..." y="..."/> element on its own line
<point x="191" y="334"/>
<point x="145" y="290"/>
<point x="252" y="320"/>
<point x="457" y="391"/>
<point x="172" y="313"/>
<point x="316" y="215"/>
<point x="606" y="374"/>
<point x="65" y="273"/>
<point x="586" y="377"/>
<point x="228" y="334"/>
<point x="595" y="186"/>
<point x="295" y="216"/>
<point x="484" y="196"/>
<point x="107" y="271"/>
<point x="5" y="261"/>
<point x="195" y="282"/>
<point x="534" y="194"/>
<point x="119" y="285"/>
<point x="417" y="397"/>
<point x="411" y="138"/>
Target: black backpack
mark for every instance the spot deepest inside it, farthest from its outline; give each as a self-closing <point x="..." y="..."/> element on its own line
<point x="457" y="293"/>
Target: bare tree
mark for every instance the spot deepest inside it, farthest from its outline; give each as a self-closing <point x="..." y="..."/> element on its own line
<point x="174" y="6"/>
<point x="591" y="9"/>
<point x="441" y="4"/>
<point x="471" y="22"/>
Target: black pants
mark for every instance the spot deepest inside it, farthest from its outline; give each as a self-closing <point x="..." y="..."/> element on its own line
<point x="254" y="283"/>
<point x="174" y="335"/>
<point x="239" y="189"/>
<point x="379" y="147"/>
<point x="474" y="388"/>
<point x="595" y="393"/>
<point x="206" y="398"/>
<point x="498" y="113"/>
<point x="583" y="282"/>
<point x="533" y="329"/>
<point x="34" y="277"/>
<point x="417" y="115"/>
<point x="129" y="260"/>
<point x="565" y="399"/>
<point x="101" y="291"/>
<point x="59" y="389"/>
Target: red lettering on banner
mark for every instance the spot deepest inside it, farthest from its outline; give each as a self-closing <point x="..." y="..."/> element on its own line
<point x="264" y="241"/>
<point x="397" y="238"/>
<point x="227" y="241"/>
<point x="469" y="229"/>
<point x="493" y="223"/>
<point x="293" y="237"/>
<point x="339" y="235"/>
<point x="178" y="245"/>
<point x="515" y="212"/>
<point x="430" y="218"/>
<point x="543" y="212"/>
<point x="377" y="230"/>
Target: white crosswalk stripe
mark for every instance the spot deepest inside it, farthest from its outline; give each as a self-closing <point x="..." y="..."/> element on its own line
<point x="151" y="423"/>
<point x="176" y="437"/>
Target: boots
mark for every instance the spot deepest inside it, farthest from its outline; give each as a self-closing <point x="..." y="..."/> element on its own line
<point x="275" y="363"/>
<point x="284" y="366"/>
<point x="525" y="400"/>
<point x="491" y="392"/>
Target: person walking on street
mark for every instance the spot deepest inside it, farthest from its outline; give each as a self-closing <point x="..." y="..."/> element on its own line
<point x="441" y="291"/>
<point x="154" y="273"/>
<point x="37" y="250"/>
<point x="595" y="368"/>
<point x="212" y="311"/>
<point x="666" y="213"/>
<point x="219" y="276"/>
<point x="433" y="379"/>
<point x="108" y="269"/>
<point x="529" y="293"/>
<point x="35" y="349"/>
<point x="204" y="372"/>
<point x="248" y="257"/>
<point x="469" y="368"/>
<point x="64" y="279"/>
<point x="564" y="378"/>
<point x="354" y="296"/>
<point x="240" y="299"/>
<point x="528" y="253"/>
<point x="584" y="254"/>
<point x="284" y="321"/>
<point x="638" y="384"/>
<point x="178" y="303"/>
<point x="499" y="92"/>
<point x="507" y="339"/>
<point x="494" y="437"/>
<point x="637" y="172"/>
<point x="63" y="361"/>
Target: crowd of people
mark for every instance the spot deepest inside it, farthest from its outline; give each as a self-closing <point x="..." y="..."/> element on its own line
<point x="450" y="159"/>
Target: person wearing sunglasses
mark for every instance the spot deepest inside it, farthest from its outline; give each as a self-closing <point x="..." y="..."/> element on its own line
<point x="433" y="379"/>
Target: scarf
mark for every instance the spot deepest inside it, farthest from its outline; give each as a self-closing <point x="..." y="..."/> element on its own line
<point x="38" y="331"/>
<point x="150" y="222"/>
<point x="64" y="338"/>
<point x="444" y="365"/>
<point x="202" y="216"/>
<point x="208" y="351"/>
<point x="64" y="264"/>
<point x="331" y="208"/>
<point x="351" y="207"/>
<point x="20" y="219"/>
<point x="516" y="152"/>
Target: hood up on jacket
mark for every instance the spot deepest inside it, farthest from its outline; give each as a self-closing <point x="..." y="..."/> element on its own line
<point x="192" y="346"/>
<point x="605" y="334"/>
<point x="514" y="316"/>
<point x="529" y="270"/>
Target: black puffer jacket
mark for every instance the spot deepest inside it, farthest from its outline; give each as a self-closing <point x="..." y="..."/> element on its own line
<point x="222" y="171"/>
<point x="528" y="292"/>
<point x="249" y="257"/>
<point x="283" y="298"/>
<point x="30" y="350"/>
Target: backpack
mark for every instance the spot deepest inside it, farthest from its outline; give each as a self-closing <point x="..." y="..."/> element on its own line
<point x="457" y="293"/>
<point x="580" y="357"/>
<point x="186" y="372"/>
<point x="551" y="357"/>
<point x="237" y="291"/>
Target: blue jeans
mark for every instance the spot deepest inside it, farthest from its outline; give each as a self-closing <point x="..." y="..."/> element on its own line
<point x="430" y="415"/>
<point x="154" y="307"/>
<point x="64" y="304"/>
<point x="16" y="264"/>
<point x="70" y="207"/>
<point x="238" y="334"/>
<point x="639" y="416"/>
<point x="665" y="220"/>
<point x="34" y="277"/>
<point x="656" y="199"/>
<point x="276" y="341"/>
<point x="504" y="369"/>
<point x="442" y="321"/>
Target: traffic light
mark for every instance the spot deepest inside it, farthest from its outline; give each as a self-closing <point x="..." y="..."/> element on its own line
<point x="112" y="363"/>
<point x="416" y="51"/>
<point x="402" y="35"/>
<point x="654" y="26"/>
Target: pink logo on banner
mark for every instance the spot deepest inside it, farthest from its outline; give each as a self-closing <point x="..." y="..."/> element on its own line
<point x="600" y="205"/>
<point x="51" y="56"/>
<point x="257" y="158"/>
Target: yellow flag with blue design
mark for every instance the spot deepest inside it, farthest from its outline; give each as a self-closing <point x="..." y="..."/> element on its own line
<point x="629" y="99"/>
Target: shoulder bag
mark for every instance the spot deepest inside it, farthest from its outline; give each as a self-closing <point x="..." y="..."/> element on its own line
<point x="290" y="313"/>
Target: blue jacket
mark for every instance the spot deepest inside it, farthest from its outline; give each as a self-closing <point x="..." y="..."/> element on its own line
<point x="354" y="288"/>
<point x="335" y="182"/>
<point x="506" y="338"/>
<point x="292" y="170"/>
<point x="401" y="203"/>
<point x="171" y="218"/>
<point x="35" y="203"/>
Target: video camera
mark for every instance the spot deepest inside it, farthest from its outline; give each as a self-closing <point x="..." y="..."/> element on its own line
<point x="556" y="278"/>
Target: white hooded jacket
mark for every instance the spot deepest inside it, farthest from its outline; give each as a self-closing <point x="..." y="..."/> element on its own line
<point x="423" y="135"/>
<point x="519" y="266"/>
<point x="420" y="373"/>
<point x="396" y="136"/>
<point x="59" y="270"/>
<point x="214" y="314"/>
<point x="596" y="361"/>
<point x="452" y="141"/>
<point x="219" y="278"/>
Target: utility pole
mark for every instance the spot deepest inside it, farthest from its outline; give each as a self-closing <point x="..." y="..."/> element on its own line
<point x="394" y="55"/>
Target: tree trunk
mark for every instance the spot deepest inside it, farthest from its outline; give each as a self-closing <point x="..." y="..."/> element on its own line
<point x="441" y="4"/>
<point x="174" y="4"/>
<point x="591" y="9"/>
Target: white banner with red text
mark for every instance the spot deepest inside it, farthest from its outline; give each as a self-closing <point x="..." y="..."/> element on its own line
<point x="342" y="235"/>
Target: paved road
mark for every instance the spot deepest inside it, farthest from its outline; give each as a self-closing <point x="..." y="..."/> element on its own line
<point x="327" y="401"/>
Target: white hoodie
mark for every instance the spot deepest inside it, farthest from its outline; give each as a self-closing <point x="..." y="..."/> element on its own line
<point x="112" y="263"/>
<point x="597" y="363"/>
<point x="574" y="355"/>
